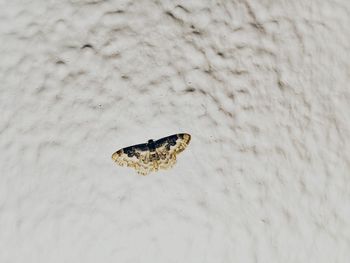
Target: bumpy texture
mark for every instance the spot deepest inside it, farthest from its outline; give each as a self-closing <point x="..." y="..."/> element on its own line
<point x="262" y="86"/>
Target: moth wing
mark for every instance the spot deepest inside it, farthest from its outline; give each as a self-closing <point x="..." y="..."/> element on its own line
<point x="139" y="159"/>
<point x="167" y="159"/>
<point x="169" y="147"/>
<point x="182" y="142"/>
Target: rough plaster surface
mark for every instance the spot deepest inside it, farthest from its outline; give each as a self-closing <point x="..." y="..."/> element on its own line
<point x="262" y="87"/>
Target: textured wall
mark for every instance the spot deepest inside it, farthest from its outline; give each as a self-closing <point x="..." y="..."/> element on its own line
<point x="262" y="87"/>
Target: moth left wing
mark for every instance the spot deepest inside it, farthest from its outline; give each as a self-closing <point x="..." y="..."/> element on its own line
<point x="136" y="156"/>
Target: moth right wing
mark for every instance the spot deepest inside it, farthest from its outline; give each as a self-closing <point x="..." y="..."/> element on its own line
<point x="168" y="147"/>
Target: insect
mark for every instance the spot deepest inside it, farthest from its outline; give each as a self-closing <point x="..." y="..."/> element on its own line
<point x="153" y="155"/>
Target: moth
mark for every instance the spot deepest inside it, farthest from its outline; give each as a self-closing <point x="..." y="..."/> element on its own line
<point x="153" y="155"/>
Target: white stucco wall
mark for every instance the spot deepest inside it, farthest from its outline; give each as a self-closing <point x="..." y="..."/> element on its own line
<point x="262" y="87"/>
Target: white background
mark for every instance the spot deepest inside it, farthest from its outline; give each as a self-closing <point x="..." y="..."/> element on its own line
<point x="262" y="87"/>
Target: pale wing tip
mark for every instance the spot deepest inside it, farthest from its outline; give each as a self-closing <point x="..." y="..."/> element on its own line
<point x="116" y="155"/>
<point x="187" y="137"/>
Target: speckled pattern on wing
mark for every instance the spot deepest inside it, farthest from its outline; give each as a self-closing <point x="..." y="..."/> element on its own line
<point x="154" y="155"/>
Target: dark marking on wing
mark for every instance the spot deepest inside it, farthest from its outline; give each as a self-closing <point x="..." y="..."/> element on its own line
<point x="171" y="140"/>
<point x="131" y="150"/>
